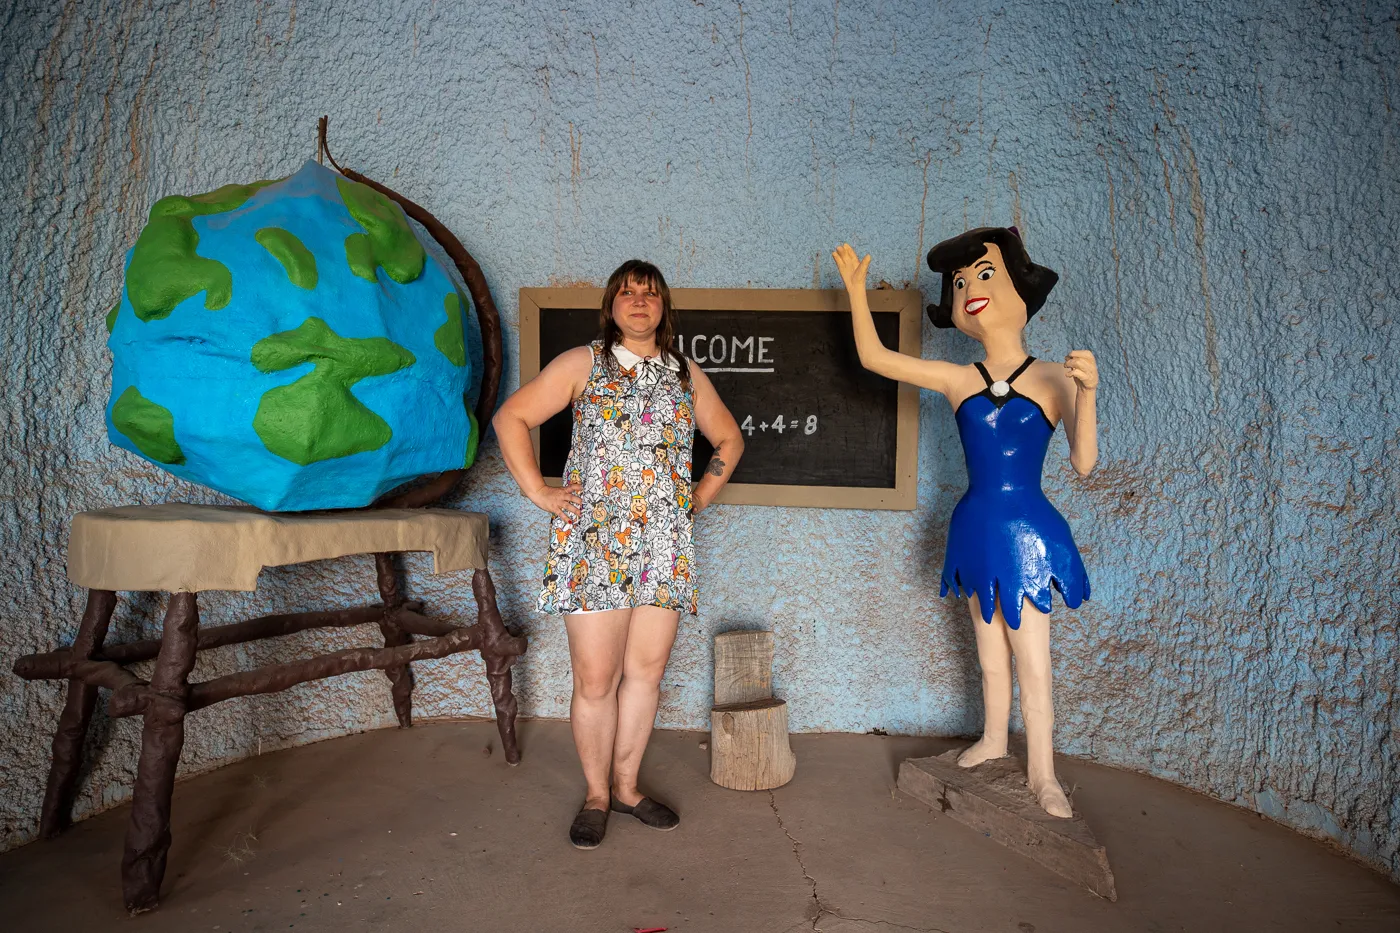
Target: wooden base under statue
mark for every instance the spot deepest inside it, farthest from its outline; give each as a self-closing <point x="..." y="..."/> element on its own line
<point x="993" y="799"/>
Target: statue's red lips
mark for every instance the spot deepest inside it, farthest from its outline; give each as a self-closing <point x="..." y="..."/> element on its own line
<point x="976" y="305"/>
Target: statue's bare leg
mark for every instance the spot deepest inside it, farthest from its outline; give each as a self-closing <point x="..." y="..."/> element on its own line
<point x="1031" y="645"/>
<point x="994" y="657"/>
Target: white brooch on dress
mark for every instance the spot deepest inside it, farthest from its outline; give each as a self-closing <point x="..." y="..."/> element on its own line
<point x="1001" y="388"/>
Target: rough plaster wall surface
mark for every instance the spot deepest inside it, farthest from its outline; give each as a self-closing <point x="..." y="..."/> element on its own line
<point x="1215" y="182"/>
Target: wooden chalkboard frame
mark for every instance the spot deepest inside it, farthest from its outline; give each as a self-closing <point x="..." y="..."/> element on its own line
<point x="906" y="302"/>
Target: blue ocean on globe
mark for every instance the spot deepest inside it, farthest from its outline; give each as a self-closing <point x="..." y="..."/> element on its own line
<point x="290" y="344"/>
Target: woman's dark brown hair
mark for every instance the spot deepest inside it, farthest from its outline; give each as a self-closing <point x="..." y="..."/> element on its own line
<point x="644" y="273"/>
<point x="1033" y="283"/>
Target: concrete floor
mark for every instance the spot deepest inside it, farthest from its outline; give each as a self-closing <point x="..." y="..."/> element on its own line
<point x="423" y="830"/>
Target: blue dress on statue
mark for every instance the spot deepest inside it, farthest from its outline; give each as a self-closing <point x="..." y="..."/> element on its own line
<point x="1005" y="539"/>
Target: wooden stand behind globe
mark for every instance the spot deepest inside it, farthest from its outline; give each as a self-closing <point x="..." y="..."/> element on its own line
<point x="184" y="549"/>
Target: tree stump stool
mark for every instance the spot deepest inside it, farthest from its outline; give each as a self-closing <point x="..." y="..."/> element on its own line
<point x="185" y="549"/>
<point x="749" y="747"/>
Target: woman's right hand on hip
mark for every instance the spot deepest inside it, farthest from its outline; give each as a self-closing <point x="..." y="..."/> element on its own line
<point x="565" y="502"/>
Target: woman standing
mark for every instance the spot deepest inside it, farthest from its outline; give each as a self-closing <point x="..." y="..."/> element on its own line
<point x="621" y="564"/>
<point x="1007" y="545"/>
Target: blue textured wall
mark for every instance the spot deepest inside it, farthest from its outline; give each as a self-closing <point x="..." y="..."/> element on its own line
<point x="1216" y="182"/>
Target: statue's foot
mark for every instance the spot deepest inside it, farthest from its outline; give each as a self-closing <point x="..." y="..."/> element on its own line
<point x="1051" y="797"/>
<point x="985" y="750"/>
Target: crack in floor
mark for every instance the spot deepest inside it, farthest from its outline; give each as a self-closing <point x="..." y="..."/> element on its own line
<point x="822" y="909"/>
<point x="797" y="854"/>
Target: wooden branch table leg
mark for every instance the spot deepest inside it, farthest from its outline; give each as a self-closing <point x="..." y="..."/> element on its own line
<point x="234" y="545"/>
<point x="162" y="738"/>
<point x="499" y="649"/>
<point x="400" y="678"/>
<point x="57" y="813"/>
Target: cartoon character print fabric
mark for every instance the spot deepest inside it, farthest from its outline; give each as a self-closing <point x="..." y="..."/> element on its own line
<point x="631" y="452"/>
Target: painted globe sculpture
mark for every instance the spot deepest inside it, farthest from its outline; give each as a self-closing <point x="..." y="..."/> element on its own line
<point x="291" y="344"/>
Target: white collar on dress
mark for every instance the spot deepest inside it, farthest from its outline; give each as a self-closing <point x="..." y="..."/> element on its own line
<point x="628" y="359"/>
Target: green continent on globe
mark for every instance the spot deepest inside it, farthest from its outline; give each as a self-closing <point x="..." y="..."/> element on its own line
<point x="473" y="439"/>
<point x="164" y="269"/>
<point x="317" y="418"/>
<point x="448" y="337"/>
<point x="387" y="241"/>
<point x="112" y="317"/>
<point x="149" y="426"/>
<point x="291" y="253"/>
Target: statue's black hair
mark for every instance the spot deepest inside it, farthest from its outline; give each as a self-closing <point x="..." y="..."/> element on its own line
<point x="1032" y="282"/>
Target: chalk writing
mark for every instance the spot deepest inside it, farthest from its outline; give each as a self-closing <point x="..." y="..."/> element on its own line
<point x="720" y="353"/>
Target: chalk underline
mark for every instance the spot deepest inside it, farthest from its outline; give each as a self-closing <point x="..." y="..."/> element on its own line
<point x="734" y="369"/>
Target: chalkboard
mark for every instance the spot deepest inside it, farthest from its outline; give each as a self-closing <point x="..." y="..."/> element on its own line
<point x="819" y="430"/>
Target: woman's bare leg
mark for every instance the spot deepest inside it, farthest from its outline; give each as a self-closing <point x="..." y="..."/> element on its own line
<point x="649" y="640"/>
<point x="597" y="646"/>
<point x="1031" y="645"/>
<point x="994" y="657"/>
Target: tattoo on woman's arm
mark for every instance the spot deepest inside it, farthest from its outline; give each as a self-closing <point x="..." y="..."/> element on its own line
<point x="716" y="467"/>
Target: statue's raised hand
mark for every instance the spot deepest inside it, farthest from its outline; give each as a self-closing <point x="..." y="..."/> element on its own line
<point x="1083" y="369"/>
<point x="852" y="270"/>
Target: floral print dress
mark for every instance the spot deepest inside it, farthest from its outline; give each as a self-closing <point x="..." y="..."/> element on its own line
<point x="631" y="452"/>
